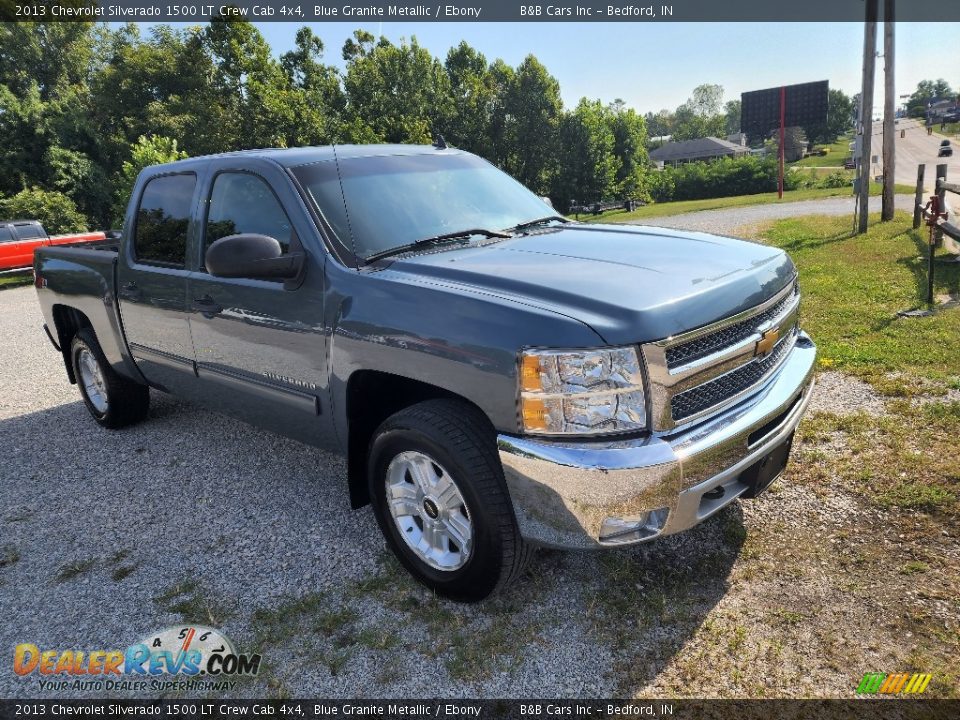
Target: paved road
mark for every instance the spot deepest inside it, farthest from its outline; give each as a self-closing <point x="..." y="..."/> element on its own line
<point x="729" y="220"/>
<point x="914" y="148"/>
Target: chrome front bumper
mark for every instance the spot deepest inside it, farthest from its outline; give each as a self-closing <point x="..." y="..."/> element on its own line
<point x="563" y="491"/>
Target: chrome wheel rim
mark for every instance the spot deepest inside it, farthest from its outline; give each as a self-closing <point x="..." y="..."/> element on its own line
<point x="93" y="385"/>
<point x="429" y="511"/>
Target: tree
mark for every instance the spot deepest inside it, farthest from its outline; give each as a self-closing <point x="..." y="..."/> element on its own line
<point x="533" y="110"/>
<point x="926" y="92"/>
<point x="840" y="119"/>
<point x="732" y="116"/>
<point x="706" y="101"/>
<point x="313" y="92"/>
<point x="701" y="115"/>
<point x="55" y="211"/>
<point x="472" y="90"/>
<point x="502" y="78"/>
<point x="250" y="83"/>
<point x="400" y="92"/>
<point x="148" y="150"/>
<point x="659" y="124"/>
<point x="588" y="166"/>
<point x="794" y="143"/>
<point x="630" y="149"/>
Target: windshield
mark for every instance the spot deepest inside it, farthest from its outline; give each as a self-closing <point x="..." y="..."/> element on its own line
<point x="391" y="201"/>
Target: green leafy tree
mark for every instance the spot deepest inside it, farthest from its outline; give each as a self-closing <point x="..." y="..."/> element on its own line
<point x="502" y="78"/>
<point x="926" y="92"/>
<point x="400" y="92"/>
<point x="532" y="113"/>
<point x="588" y="166"/>
<point x="731" y="114"/>
<point x="701" y="115"/>
<point x="630" y="149"/>
<point x="660" y="123"/>
<point x="146" y="151"/>
<point x="472" y="93"/>
<point x="314" y="91"/>
<point x="55" y="211"/>
<point x="840" y="119"/>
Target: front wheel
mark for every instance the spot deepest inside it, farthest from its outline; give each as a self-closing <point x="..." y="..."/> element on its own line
<point x="441" y="501"/>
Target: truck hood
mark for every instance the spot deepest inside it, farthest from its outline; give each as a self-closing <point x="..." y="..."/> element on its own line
<point x="629" y="283"/>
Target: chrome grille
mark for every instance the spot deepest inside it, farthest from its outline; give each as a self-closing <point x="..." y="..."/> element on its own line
<point x="705" y="345"/>
<point x="704" y="370"/>
<point x="718" y="390"/>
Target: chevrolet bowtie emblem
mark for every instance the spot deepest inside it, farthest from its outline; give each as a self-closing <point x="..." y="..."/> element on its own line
<point x="766" y="342"/>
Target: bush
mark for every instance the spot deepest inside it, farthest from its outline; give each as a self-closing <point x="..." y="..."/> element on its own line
<point x="835" y="179"/>
<point x="55" y="211"/>
<point x="747" y="175"/>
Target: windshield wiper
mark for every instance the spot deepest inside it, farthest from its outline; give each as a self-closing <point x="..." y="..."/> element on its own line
<point x="538" y="221"/>
<point x="436" y="239"/>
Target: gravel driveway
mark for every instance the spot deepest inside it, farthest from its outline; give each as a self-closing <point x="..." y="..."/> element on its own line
<point x="728" y="220"/>
<point x="107" y="536"/>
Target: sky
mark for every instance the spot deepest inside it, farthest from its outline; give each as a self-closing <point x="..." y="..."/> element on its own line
<point x="655" y="66"/>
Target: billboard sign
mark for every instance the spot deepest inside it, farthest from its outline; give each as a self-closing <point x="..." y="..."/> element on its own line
<point x="804" y="105"/>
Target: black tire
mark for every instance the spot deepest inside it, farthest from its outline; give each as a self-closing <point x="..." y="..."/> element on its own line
<point x="127" y="402"/>
<point x="462" y="442"/>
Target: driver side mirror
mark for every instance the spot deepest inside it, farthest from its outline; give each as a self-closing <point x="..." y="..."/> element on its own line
<point x="252" y="256"/>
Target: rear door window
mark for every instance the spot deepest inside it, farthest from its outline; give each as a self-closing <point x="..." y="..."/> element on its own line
<point x="28" y="231"/>
<point x="6" y="235"/>
<point x="163" y="219"/>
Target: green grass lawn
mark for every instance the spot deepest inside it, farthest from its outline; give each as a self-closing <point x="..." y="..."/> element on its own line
<point x="686" y="206"/>
<point x="837" y="153"/>
<point x="853" y="288"/>
<point x="15" y="279"/>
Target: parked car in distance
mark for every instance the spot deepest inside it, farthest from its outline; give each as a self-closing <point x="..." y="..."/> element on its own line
<point x="946" y="149"/>
<point x="19" y="238"/>
<point x="497" y="375"/>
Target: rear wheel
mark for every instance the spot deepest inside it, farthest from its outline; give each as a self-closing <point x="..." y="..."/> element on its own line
<point x="441" y="501"/>
<point x="113" y="400"/>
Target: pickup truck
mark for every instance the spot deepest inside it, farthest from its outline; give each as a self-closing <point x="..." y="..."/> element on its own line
<point x="19" y="238"/>
<point x="498" y="376"/>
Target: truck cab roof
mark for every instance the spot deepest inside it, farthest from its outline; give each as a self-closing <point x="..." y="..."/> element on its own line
<point x="293" y="157"/>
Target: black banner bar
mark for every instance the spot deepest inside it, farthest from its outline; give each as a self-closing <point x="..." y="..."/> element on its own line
<point x="637" y="11"/>
<point x="875" y="708"/>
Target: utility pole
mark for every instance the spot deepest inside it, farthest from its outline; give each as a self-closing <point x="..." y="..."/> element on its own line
<point x="866" y="112"/>
<point x="889" y="109"/>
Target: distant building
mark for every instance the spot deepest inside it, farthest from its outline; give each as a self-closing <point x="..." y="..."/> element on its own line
<point x="738" y="138"/>
<point x="938" y="108"/>
<point x="699" y="150"/>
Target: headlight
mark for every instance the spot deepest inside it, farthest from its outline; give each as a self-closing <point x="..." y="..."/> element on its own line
<point x="581" y="392"/>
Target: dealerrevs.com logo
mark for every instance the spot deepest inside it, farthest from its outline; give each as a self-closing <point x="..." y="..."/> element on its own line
<point x="893" y="684"/>
<point x="191" y="657"/>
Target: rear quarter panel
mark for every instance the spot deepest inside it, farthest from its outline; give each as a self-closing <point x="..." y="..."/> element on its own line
<point x="84" y="279"/>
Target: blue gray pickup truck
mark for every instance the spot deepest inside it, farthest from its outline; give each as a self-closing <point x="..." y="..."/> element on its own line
<point x="498" y="376"/>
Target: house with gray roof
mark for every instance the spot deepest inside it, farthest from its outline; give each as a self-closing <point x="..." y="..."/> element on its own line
<point x="698" y="150"/>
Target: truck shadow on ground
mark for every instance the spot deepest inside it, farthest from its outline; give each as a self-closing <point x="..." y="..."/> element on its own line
<point x="276" y="557"/>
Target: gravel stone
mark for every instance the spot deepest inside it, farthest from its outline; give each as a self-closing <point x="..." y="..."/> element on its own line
<point x="729" y="220"/>
<point x="843" y="395"/>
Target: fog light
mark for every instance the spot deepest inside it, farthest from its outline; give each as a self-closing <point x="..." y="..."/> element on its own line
<point x="622" y="531"/>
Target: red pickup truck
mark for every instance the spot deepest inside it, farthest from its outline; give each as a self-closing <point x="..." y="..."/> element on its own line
<point x="19" y="238"/>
